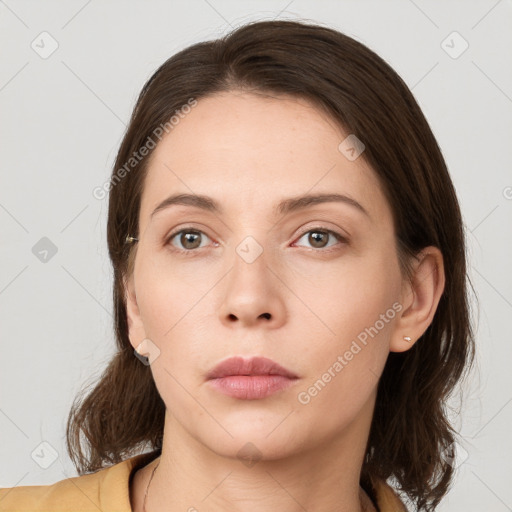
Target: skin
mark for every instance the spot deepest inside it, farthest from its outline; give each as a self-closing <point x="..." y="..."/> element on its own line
<point x="249" y="151"/>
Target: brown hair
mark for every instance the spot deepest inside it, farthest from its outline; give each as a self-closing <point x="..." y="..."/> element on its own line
<point x="124" y="412"/>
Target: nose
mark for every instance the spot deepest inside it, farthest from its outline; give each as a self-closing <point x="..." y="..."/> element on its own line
<point x="253" y="296"/>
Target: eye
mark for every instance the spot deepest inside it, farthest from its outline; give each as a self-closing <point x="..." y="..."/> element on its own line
<point x="189" y="239"/>
<point x="318" y="237"/>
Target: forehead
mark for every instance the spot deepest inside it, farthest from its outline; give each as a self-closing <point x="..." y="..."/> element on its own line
<point x="250" y="151"/>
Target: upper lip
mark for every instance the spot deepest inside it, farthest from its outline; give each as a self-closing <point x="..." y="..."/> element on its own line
<point x="251" y="366"/>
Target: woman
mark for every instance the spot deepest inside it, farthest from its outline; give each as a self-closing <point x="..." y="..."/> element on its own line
<point x="290" y="290"/>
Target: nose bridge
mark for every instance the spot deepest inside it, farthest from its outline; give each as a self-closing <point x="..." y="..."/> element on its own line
<point x="249" y="277"/>
<point x="252" y="294"/>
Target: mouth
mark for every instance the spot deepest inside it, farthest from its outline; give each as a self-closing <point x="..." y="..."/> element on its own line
<point x="250" y="379"/>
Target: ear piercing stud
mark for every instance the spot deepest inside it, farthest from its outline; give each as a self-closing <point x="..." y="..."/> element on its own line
<point x="407" y="338"/>
<point x="130" y="239"/>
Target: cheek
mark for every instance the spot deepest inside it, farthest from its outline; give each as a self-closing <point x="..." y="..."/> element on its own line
<point x="177" y="310"/>
<point x="171" y="294"/>
<point x="350" y="295"/>
<point x="175" y="321"/>
<point x="356" y="308"/>
<point x="343" y="370"/>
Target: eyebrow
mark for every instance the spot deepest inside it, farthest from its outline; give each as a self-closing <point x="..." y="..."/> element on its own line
<point x="286" y="206"/>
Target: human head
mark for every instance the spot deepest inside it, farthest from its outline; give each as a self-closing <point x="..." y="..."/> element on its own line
<point x="351" y="85"/>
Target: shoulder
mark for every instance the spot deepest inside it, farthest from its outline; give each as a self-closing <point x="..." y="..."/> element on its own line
<point x="106" y="489"/>
<point x="386" y="498"/>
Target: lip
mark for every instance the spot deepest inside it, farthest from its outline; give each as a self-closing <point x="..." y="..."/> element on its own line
<point x="250" y="379"/>
<point x="249" y="367"/>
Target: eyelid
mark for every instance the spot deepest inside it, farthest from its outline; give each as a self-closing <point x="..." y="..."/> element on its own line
<point x="319" y="227"/>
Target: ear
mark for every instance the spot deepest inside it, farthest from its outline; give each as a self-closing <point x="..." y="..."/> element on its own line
<point x="136" y="331"/>
<point x="419" y="299"/>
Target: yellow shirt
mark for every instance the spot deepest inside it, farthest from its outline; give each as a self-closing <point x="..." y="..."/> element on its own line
<point x="108" y="490"/>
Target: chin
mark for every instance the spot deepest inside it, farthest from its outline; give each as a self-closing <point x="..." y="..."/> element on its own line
<point x="250" y="450"/>
<point x="268" y="438"/>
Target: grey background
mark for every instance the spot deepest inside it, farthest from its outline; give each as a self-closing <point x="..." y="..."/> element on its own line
<point x="63" y="117"/>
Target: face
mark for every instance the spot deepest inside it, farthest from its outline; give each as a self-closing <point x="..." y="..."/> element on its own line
<point x="314" y="286"/>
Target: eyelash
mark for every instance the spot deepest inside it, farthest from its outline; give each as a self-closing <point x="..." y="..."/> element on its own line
<point x="192" y="252"/>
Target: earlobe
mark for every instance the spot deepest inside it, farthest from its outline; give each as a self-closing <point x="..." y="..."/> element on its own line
<point x="420" y="298"/>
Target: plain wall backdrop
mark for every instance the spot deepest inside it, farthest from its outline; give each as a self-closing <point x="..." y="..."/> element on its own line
<point x="70" y="73"/>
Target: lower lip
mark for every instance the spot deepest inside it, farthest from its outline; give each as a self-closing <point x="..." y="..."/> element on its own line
<point x="251" y="387"/>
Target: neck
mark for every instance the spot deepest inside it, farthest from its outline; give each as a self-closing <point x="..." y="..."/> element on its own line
<point x="192" y="477"/>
